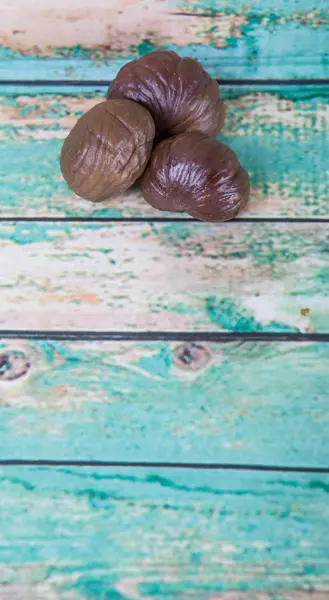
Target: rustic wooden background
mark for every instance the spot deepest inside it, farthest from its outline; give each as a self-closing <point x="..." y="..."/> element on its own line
<point x="164" y="394"/>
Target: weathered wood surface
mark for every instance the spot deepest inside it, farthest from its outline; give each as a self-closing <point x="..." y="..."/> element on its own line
<point x="251" y="403"/>
<point x="257" y="39"/>
<point x="281" y="136"/>
<point x="45" y="591"/>
<point x="67" y="534"/>
<point x="161" y="534"/>
<point x="165" y="277"/>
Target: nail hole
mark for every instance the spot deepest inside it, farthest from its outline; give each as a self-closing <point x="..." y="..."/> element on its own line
<point x="191" y="356"/>
<point x="13" y="364"/>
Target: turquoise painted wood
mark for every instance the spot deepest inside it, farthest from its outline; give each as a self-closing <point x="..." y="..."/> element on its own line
<point x="280" y="133"/>
<point x="247" y="277"/>
<point x="165" y="534"/>
<point x="232" y="39"/>
<point x="165" y="402"/>
<point x="283" y="9"/>
<point x="134" y="534"/>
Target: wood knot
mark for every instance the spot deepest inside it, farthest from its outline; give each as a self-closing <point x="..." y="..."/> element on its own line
<point x="191" y="357"/>
<point x="13" y="364"/>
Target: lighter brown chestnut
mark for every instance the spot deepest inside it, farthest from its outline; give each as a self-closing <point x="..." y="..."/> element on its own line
<point x="179" y="94"/>
<point x="196" y="174"/>
<point x="107" y="149"/>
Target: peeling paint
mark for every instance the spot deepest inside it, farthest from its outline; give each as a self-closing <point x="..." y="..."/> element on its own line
<point x="281" y="138"/>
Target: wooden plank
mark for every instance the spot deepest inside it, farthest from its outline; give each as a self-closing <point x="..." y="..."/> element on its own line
<point x="141" y="534"/>
<point x="280" y="135"/>
<point x="258" y="7"/>
<point x="251" y="403"/>
<point x="233" y="39"/>
<point x="165" y="277"/>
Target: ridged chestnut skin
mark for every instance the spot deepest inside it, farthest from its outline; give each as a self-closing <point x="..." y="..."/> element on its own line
<point x="179" y="94"/>
<point x="196" y="174"/>
<point x="107" y="149"/>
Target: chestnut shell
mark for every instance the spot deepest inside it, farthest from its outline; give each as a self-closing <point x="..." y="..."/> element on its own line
<point x="196" y="174"/>
<point x="179" y="94"/>
<point x="108" y="149"/>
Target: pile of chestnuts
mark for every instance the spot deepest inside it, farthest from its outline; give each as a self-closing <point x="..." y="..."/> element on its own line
<point x="158" y="128"/>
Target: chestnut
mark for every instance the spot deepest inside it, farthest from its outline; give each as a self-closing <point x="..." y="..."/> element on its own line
<point x="196" y="174"/>
<point x="107" y="149"/>
<point x="179" y="94"/>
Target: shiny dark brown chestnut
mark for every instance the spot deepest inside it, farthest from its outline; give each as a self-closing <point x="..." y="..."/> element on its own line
<point x="107" y="149"/>
<point x="196" y="174"/>
<point x="179" y="94"/>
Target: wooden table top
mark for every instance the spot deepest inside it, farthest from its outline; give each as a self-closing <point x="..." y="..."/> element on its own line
<point x="164" y="383"/>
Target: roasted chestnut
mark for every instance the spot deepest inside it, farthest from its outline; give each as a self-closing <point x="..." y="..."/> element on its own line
<point x="107" y="149"/>
<point x="195" y="173"/>
<point x="179" y="94"/>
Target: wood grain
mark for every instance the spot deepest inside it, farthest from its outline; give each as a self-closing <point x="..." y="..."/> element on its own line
<point x="235" y="39"/>
<point x="156" y="534"/>
<point x="141" y="534"/>
<point x="165" y="277"/>
<point x="280" y="135"/>
<point x="45" y="591"/>
<point x="183" y="402"/>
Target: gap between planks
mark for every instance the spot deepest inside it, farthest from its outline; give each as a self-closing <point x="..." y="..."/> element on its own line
<point x="172" y="220"/>
<point x="106" y="83"/>
<point x="161" y="465"/>
<point x="167" y="336"/>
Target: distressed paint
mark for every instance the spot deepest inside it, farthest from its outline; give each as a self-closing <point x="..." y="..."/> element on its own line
<point x="232" y="40"/>
<point x="156" y="534"/>
<point x="279" y="134"/>
<point x="183" y="402"/>
<point x="209" y="535"/>
<point x="181" y="277"/>
<point x="283" y="9"/>
<point x="46" y="591"/>
<point x="50" y="591"/>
